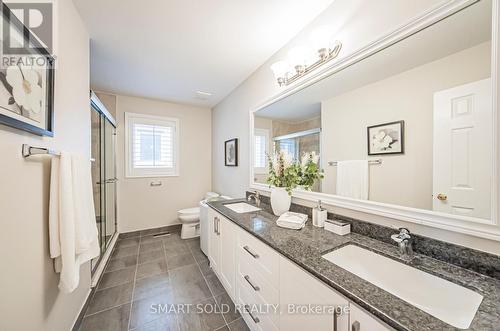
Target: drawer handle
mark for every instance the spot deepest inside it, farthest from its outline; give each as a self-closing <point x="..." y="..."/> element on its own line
<point x="247" y="278"/>
<point x="356" y="326"/>
<point x="255" y="256"/>
<point x="335" y="318"/>
<point x="255" y="319"/>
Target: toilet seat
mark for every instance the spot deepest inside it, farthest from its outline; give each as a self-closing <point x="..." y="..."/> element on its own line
<point x="189" y="211"/>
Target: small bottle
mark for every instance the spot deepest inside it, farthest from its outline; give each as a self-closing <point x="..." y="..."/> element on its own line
<point x="319" y="215"/>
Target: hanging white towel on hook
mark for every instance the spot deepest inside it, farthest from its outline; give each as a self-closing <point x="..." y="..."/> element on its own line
<point x="72" y="223"/>
<point x="353" y="179"/>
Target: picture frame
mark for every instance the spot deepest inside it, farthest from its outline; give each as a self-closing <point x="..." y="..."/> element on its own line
<point x="386" y="139"/>
<point x="31" y="112"/>
<point x="231" y="152"/>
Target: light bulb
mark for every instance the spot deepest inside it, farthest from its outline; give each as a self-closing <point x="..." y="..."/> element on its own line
<point x="280" y="69"/>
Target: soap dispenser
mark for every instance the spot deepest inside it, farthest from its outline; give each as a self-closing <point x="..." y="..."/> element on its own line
<point x="319" y="215"/>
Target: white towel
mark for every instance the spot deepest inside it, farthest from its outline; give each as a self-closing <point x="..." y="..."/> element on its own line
<point x="353" y="179"/>
<point x="72" y="224"/>
<point x="291" y="220"/>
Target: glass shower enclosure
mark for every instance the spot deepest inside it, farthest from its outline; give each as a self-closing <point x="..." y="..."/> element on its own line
<point x="103" y="173"/>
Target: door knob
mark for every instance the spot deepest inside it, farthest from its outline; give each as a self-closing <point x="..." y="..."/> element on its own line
<point x="442" y="197"/>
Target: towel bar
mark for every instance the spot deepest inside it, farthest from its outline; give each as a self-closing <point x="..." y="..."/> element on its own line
<point x="376" y="161"/>
<point x="31" y="150"/>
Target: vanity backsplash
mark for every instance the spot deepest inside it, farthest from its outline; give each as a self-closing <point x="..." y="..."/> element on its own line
<point x="480" y="262"/>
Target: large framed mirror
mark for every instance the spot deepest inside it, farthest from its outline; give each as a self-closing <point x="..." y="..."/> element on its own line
<point x="418" y="108"/>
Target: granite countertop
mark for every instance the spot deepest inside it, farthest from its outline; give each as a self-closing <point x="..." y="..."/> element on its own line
<point x="305" y="247"/>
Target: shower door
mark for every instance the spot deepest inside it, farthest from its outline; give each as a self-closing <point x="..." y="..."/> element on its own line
<point x="103" y="174"/>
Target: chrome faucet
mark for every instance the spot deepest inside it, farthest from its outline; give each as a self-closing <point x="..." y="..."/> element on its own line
<point x="256" y="197"/>
<point x="404" y="241"/>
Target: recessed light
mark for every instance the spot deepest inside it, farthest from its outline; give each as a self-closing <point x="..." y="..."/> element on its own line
<point x="203" y="95"/>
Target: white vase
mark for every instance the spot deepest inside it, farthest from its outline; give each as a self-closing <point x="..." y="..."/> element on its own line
<point x="280" y="200"/>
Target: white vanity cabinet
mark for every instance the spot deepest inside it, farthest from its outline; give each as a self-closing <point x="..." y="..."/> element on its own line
<point x="213" y="240"/>
<point x="362" y="321"/>
<point x="308" y="304"/>
<point x="227" y="238"/>
<point x="274" y="293"/>
<point x="221" y="250"/>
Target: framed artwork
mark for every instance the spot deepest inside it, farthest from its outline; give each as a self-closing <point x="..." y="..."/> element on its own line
<point x="387" y="138"/>
<point x="27" y="83"/>
<point x="231" y="153"/>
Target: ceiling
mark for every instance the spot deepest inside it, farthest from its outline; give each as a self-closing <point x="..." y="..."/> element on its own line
<point x="170" y="49"/>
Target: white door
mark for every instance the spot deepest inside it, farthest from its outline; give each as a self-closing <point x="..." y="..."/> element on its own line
<point x="227" y="263"/>
<point x="462" y="166"/>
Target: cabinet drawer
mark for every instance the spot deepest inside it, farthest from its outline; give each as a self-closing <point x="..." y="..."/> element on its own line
<point x="255" y="282"/>
<point x="258" y="256"/>
<point x="262" y="317"/>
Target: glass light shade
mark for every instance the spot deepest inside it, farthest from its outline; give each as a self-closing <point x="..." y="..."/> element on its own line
<point x="280" y="69"/>
<point x="298" y="56"/>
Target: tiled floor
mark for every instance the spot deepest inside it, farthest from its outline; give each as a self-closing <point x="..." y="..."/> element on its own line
<point x="146" y="280"/>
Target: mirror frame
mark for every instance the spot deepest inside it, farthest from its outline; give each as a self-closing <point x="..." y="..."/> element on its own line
<point x="489" y="229"/>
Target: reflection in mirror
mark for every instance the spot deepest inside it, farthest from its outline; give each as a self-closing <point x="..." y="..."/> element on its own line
<point x="421" y="110"/>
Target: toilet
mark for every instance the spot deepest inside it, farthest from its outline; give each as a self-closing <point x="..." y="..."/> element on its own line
<point x="190" y="219"/>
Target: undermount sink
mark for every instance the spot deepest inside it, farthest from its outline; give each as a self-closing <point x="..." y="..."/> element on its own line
<point x="449" y="302"/>
<point x="242" y="207"/>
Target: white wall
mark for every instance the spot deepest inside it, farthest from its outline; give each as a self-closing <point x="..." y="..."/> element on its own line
<point x="141" y="206"/>
<point x="405" y="179"/>
<point x="30" y="299"/>
<point x="358" y="22"/>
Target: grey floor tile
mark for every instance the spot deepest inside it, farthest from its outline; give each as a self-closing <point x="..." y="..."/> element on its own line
<point x="147" y="310"/>
<point x="176" y="248"/>
<point x="151" y="268"/>
<point x="203" y="317"/>
<point x="150" y="246"/>
<point x="205" y="267"/>
<point x="110" y="297"/>
<point x="178" y="261"/>
<point x="158" y="285"/>
<point x="124" y="251"/>
<point x="238" y="325"/>
<point x="151" y="256"/>
<point x="224" y="328"/>
<point x="189" y="285"/>
<point x="167" y="322"/>
<point x="214" y="284"/>
<point x="117" y="277"/>
<point x="126" y="235"/>
<point x="151" y="239"/>
<point x="130" y="242"/>
<point x="193" y="243"/>
<point x="199" y="256"/>
<point x="115" y="319"/>
<point x="172" y="238"/>
<point x="227" y="307"/>
<point x="121" y="263"/>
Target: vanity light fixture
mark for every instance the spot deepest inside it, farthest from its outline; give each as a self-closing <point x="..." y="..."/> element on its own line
<point x="299" y="61"/>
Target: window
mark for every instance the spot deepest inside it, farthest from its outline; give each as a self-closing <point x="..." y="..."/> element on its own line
<point x="152" y="146"/>
<point x="261" y="146"/>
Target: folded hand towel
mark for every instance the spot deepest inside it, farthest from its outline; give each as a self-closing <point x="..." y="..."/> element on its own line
<point x="72" y="223"/>
<point x="291" y="220"/>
